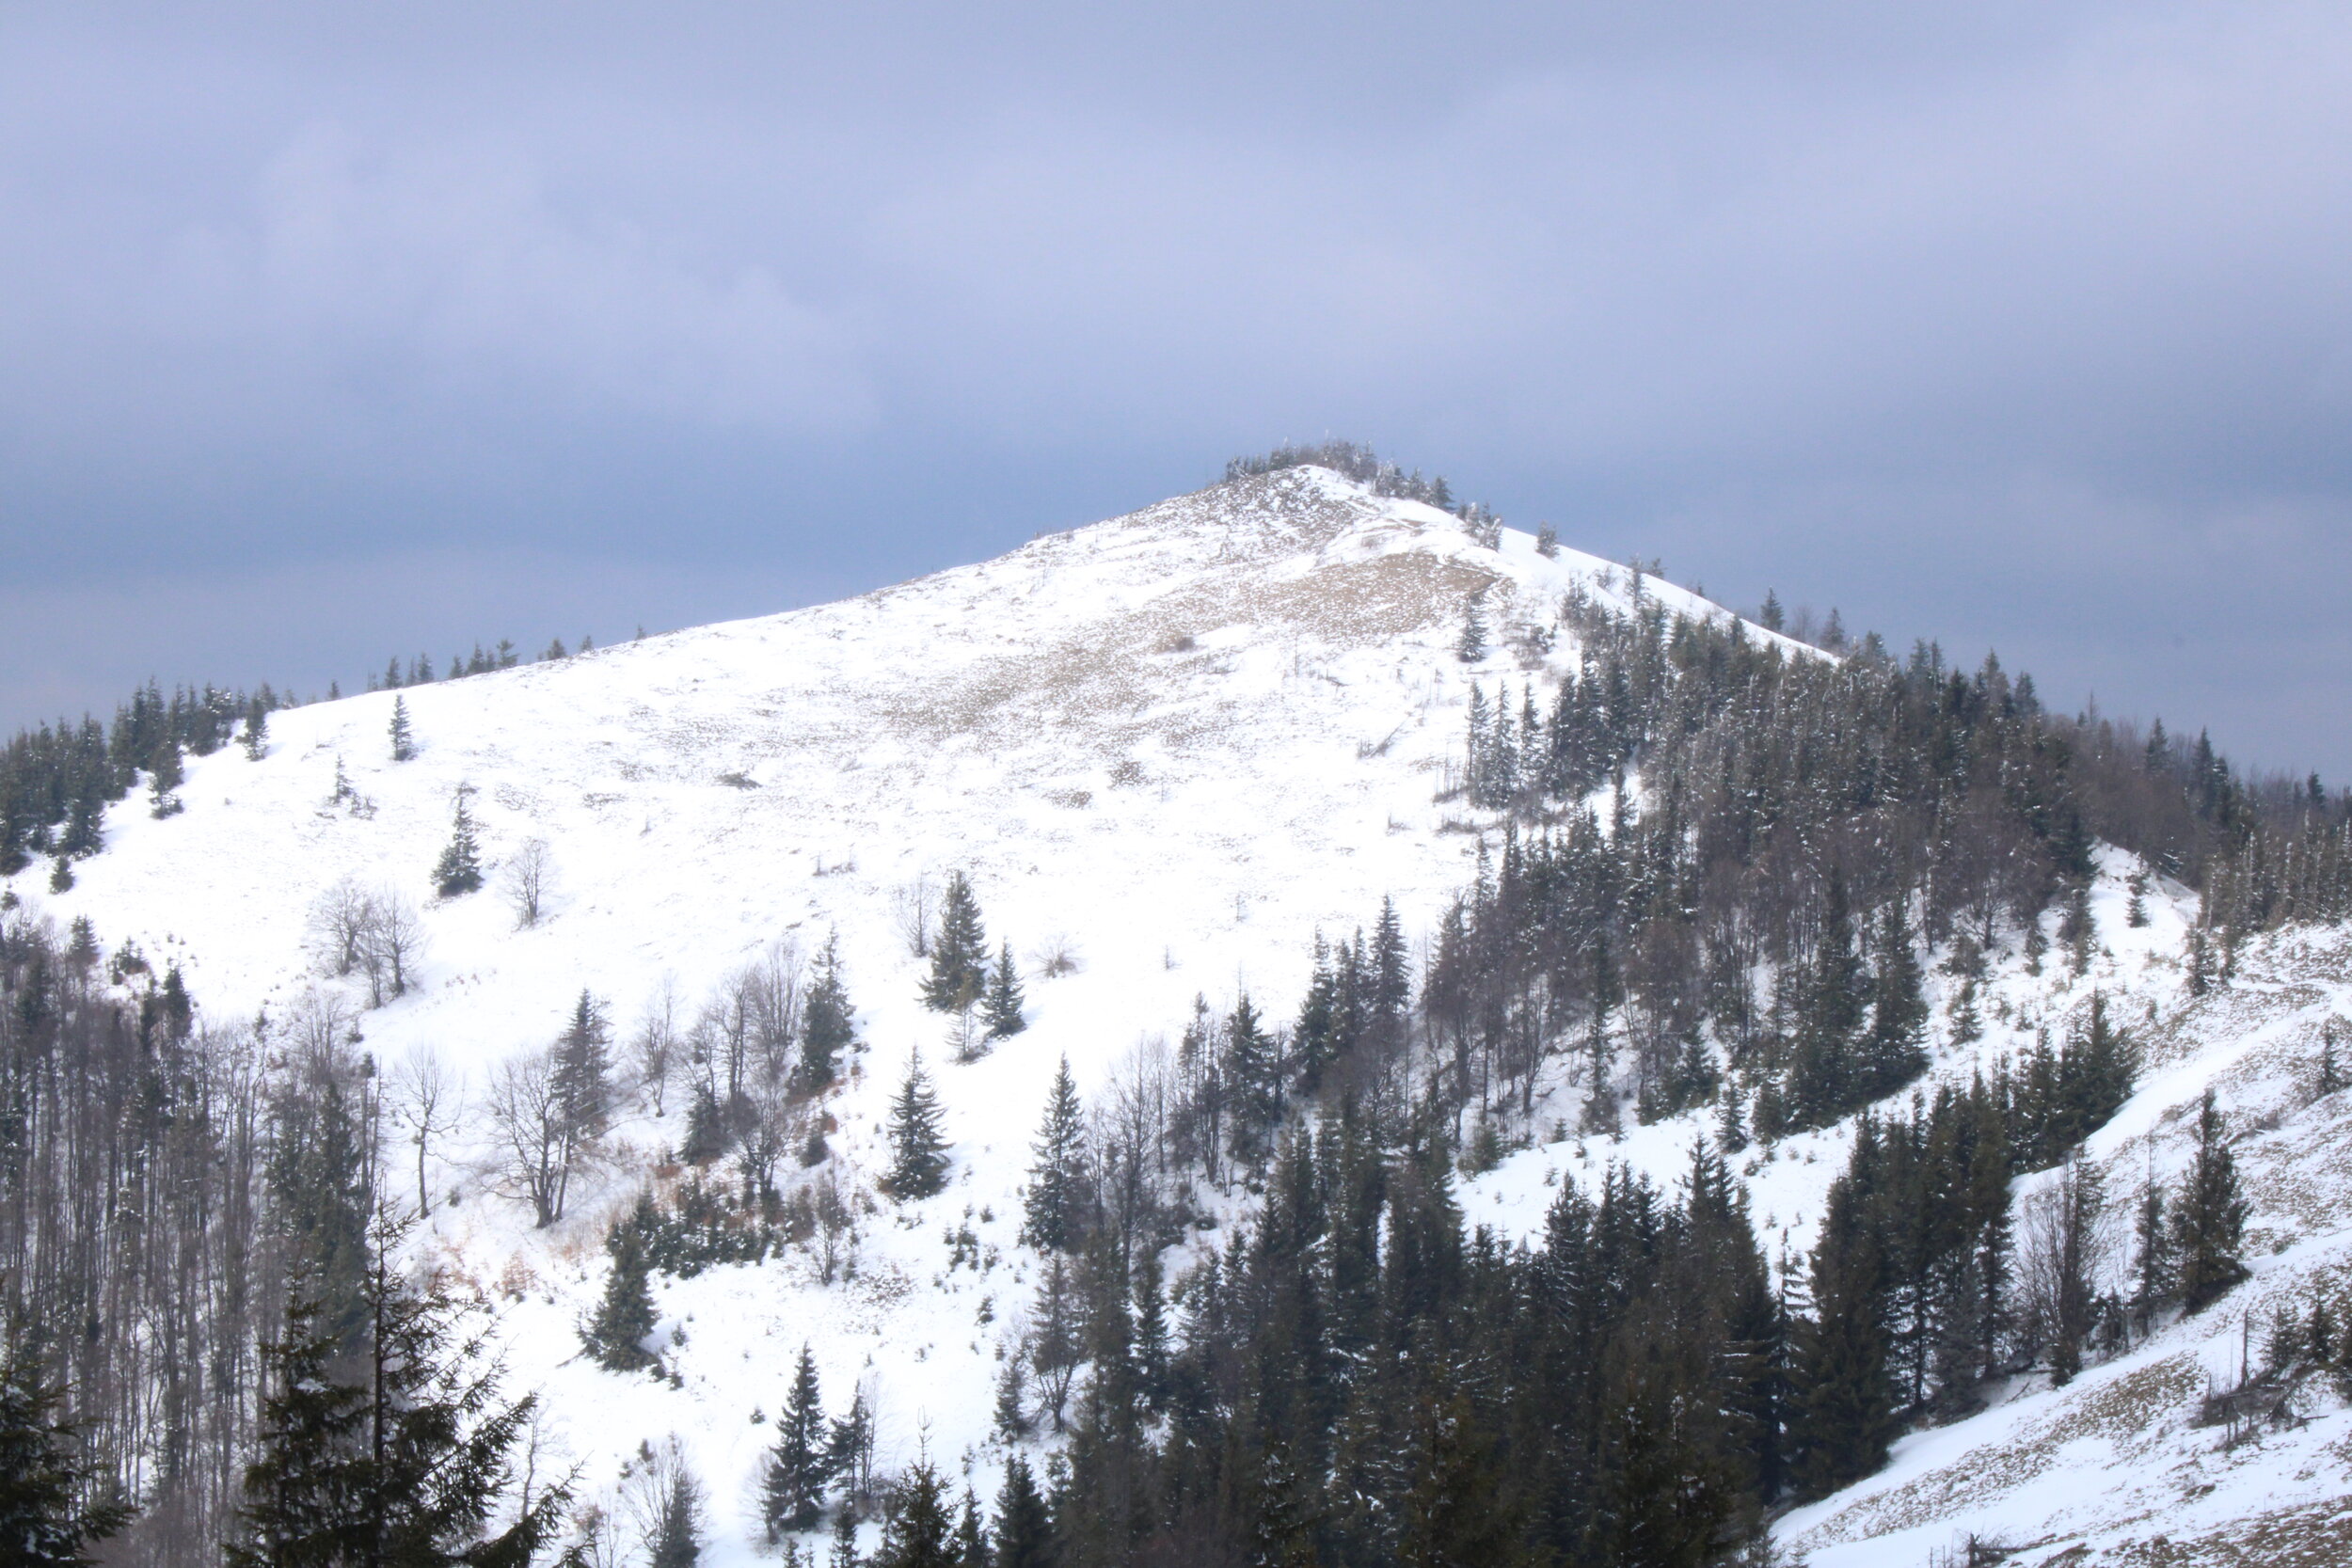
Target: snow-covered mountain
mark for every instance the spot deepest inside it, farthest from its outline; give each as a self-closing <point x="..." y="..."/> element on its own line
<point x="1174" y="746"/>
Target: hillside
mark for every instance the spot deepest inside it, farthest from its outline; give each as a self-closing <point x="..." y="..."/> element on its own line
<point x="1172" y="749"/>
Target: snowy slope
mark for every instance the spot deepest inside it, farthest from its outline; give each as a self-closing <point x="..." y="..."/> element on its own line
<point x="1183" y="741"/>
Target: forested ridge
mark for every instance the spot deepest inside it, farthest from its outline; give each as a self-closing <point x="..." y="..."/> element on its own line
<point x="1715" y="871"/>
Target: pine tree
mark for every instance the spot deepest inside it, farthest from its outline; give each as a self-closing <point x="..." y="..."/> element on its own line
<point x="2153" y="1272"/>
<point x="828" y="1021"/>
<point x="2330" y="1074"/>
<point x="676" y="1539"/>
<point x="792" y="1495"/>
<point x="916" y="1530"/>
<point x="407" y="1465"/>
<point x="255" y="730"/>
<point x="1002" y="1010"/>
<point x="459" y="869"/>
<point x="1055" y="1213"/>
<point x="582" y="1076"/>
<point x="1899" y="1010"/>
<point x="844" y="1554"/>
<point x="1025" y="1529"/>
<point x="972" y="1535"/>
<point x="51" y="1504"/>
<point x="403" y="738"/>
<point x="165" y="779"/>
<point x="918" y="1155"/>
<point x="2209" y="1217"/>
<point x="959" y="976"/>
<point x="624" y="1318"/>
<point x="1844" y="1415"/>
<point x="1470" y="646"/>
<point x="849" y="1449"/>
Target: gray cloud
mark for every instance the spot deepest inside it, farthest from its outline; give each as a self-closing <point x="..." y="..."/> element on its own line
<point x="2026" y="324"/>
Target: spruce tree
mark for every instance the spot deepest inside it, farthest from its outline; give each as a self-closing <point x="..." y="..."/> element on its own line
<point x="51" y="1504"/>
<point x="1002" y="1010"/>
<point x="918" y="1153"/>
<point x="624" y="1318"/>
<point x="971" y="1535"/>
<point x="828" y="1021"/>
<point x="403" y="738"/>
<point x="1899" y="1010"/>
<point x="164" y="778"/>
<point x="792" y="1493"/>
<point x="1055" y="1206"/>
<point x="677" y="1538"/>
<point x="1470" y="646"/>
<point x="255" y="730"/>
<point x="959" y="976"/>
<point x="407" y="1465"/>
<point x="582" y="1076"/>
<point x="849" y="1449"/>
<point x="918" y="1531"/>
<point x="1024" y="1528"/>
<point x="2209" y="1217"/>
<point x="1844" y="1406"/>
<point x="459" y="869"/>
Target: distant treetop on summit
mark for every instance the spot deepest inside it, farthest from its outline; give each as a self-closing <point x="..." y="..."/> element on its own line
<point x="1360" y="464"/>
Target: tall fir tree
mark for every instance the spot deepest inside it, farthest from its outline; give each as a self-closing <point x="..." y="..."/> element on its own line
<point x="792" y="1493"/>
<point x="1024" y="1526"/>
<point x="1002" y="1010"/>
<point x="677" y="1538"/>
<point x="625" y="1319"/>
<point x="958" y="975"/>
<point x="918" y="1152"/>
<point x="828" y="1021"/>
<point x="404" y="736"/>
<point x="581" y="1078"/>
<point x="918" y="1529"/>
<point x="459" y="869"/>
<point x="1054" y="1206"/>
<point x="1471" y="645"/>
<point x="409" y="1463"/>
<point x="1894" y="1054"/>
<point x="2209" y="1217"/>
<point x="54" y="1507"/>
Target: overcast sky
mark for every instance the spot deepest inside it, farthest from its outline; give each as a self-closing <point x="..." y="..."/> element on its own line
<point x="332" y="330"/>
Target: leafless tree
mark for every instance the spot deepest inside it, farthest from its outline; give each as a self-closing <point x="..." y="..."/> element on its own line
<point x="910" y="907"/>
<point x="391" y="939"/>
<point x="538" y="1147"/>
<point x="2068" y="1240"/>
<point x="316" y="1029"/>
<point x="429" y="1101"/>
<point x="656" y="1047"/>
<point x="525" y="880"/>
<point x="338" y="927"/>
<point x="836" y="1228"/>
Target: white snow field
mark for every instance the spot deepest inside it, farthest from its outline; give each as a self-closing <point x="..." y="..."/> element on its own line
<point x="1179" y="743"/>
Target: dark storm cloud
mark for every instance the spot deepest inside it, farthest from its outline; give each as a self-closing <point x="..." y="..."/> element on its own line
<point x="335" y="330"/>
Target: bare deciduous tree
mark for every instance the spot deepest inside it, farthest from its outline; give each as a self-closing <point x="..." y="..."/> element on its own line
<point x="656" y="1047"/>
<point x="910" y="908"/>
<point x="837" y="1229"/>
<point x="338" y="927"/>
<point x="537" y="1147"/>
<point x="391" y="939"/>
<point x="2067" y="1245"/>
<point x="429" y="1101"/>
<point x="526" y="879"/>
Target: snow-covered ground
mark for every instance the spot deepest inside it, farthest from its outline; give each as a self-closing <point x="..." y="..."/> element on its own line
<point x="1179" y="743"/>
